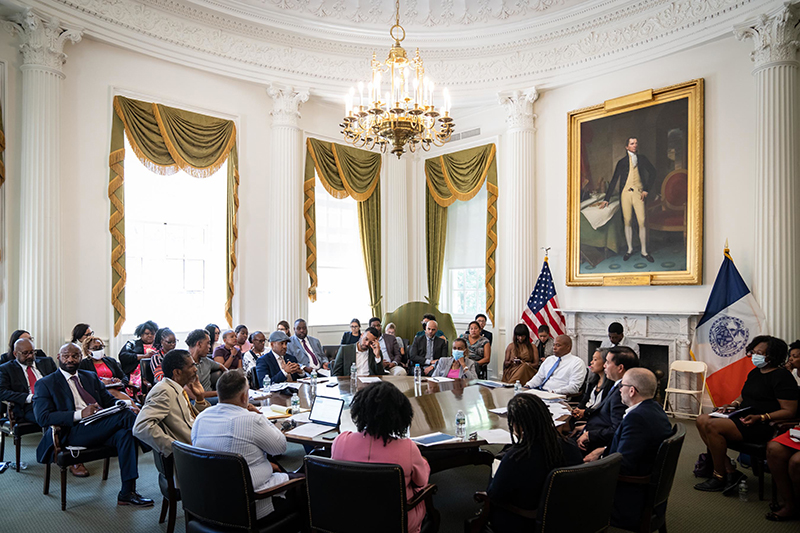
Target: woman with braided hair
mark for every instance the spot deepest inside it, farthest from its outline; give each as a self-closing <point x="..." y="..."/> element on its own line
<point x="536" y="449"/>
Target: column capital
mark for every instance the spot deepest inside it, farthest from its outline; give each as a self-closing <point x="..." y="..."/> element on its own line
<point x="286" y="104"/>
<point x="776" y="36"/>
<point x="519" y="108"/>
<point x="43" y="40"/>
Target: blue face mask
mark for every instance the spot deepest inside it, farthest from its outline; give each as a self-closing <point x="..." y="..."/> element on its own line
<point x="458" y="354"/>
<point x="759" y="360"/>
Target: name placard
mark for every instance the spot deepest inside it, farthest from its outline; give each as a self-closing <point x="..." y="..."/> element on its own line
<point x="626" y="281"/>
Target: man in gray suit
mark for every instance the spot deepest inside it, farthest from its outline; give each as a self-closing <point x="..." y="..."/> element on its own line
<point x="307" y="350"/>
<point x="167" y="414"/>
<point x="392" y="358"/>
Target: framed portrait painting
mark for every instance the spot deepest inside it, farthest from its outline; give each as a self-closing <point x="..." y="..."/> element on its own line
<point x="635" y="189"/>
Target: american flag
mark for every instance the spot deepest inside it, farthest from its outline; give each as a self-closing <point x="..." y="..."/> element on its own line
<point x="542" y="308"/>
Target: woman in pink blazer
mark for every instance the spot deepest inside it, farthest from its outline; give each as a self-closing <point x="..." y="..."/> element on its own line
<point x="382" y="414"/>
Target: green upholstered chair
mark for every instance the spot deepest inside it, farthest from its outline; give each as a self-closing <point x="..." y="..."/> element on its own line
<point x="408" y="320"/>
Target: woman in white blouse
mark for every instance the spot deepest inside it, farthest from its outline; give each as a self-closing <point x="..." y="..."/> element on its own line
<point x="597" y="386"/>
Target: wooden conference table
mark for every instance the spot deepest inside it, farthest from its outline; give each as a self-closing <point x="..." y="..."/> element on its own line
<point x="435" y="406"/>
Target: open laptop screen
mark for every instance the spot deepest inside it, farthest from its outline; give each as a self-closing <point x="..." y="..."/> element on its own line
<point x="326" y="410"/>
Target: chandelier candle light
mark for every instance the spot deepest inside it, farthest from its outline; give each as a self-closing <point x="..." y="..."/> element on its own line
<point x="405" y="113"/>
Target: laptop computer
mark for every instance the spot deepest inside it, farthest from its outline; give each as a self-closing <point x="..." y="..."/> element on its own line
<point x="324" y="416"/>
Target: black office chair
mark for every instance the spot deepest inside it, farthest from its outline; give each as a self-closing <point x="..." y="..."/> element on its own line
<point x="337" y="491"/>
<point x="15" y="429"/>
<point x="208" y="510"/>
<point x="170" y="494"/>
<point x="592" y="484"/>
<point x="659" y="484"/>
<point x="147" y="374"/>
<point x="330" y="351"/>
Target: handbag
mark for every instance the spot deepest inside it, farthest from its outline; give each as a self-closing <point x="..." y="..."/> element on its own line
<point x="704" y="466"/>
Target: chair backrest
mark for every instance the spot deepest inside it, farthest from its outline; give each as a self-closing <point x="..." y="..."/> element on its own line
<point x="201" y="473"/>
<point x="147" y="371"/>
<point x="695" y="367"/>
<point x="330" y="351"/>
<point x="591" y="485"/>
<point x="665" y="466"/>
<point x="675" y="189"/>
<point x="340" y="492"/>
<point x="408" y="317"/>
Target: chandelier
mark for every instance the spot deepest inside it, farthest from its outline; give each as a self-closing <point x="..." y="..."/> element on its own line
<point x="402" y="115"/>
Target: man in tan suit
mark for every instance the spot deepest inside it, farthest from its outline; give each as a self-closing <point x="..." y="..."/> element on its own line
<point x="168" y="415"/>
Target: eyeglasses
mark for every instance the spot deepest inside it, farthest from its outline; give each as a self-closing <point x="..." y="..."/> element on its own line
<point x="751" y="353"/>
<point x="628" y="385"/>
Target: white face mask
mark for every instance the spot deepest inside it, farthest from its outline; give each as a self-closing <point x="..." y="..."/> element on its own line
<point x="98" y="354"/>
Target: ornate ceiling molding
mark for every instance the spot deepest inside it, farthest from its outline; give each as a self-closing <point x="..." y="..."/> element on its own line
<point x="568" y="47"/>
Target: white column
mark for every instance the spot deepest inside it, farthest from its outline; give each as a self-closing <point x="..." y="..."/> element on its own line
<point x="287" y="297"/>
<point x="416" y="259"/>
<point x="395" y="233"/>
<point x="40" y="196"/>
<point x="777" y="236"/>
<point x="517" y="192"/>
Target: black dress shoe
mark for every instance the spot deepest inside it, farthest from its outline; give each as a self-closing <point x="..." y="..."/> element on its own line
<point x="134" y="499"/>
<point x="732" y="482"/>
<point x="648" y="257"/>
<point x="627" y="256"/>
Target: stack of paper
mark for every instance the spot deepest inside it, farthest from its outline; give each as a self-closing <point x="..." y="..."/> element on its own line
<point x="545" y="395"/>
<point x="432" y="439"/>
<point x="368" y="379"/>
<point x="440" y="379"/>
<point x="495" y="436"/>
<point x="499" y="410"/>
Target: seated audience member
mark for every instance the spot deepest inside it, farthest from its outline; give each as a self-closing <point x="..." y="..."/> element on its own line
<point x="522" y="358"/>
<point x="616" y="337"/>
<point x="107" y="369"/>
<point x="391" y="329"/>
<point x="480" y="318"/>
<point x="284" y="327"/>
<point x="198" y="341"/>
<point x="456" y="366"/>
<point x="381" y="414"/>
<point x="279" y="365"/>
<point x="258" y="341"/>
<point x="80" y="333"/>
<point x="167" y="415"/>
<point x="393" y="362"/>
<point x="227" y="354"/>
<point x="478" y="347"/>
<point x="235" y="426"/>
<point x="784" y="465"/>
<point x="643" y="429"/>
<point x="305" y="349"/>
<point x="770" y="393"/>
<point x="537" y="448"/>
<point x="426" y="350"/>
<point x="425" y="319"/>
<point x="213" y="334"/>
<point x="163" y="343"/>
<point x="562" y="372"/>
<point x="366" y="354"/>
<point x="66" y="396"/>
<point x="18" y="334"/>
<point x="352" y="336"/>
<point x="242" y="338"/>
<point x="597" y="386"/>
<point x="603" y="421"/>
<point x="18" y="378"/>
<point x="136" y="350"/>
<point x="544" y="342"/>
<point x="793" y="363"/>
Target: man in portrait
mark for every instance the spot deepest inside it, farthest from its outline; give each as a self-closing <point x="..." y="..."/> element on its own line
<point x="633" y="176"/>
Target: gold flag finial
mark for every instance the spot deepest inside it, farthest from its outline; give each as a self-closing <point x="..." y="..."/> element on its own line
<point x="546" y="252"/>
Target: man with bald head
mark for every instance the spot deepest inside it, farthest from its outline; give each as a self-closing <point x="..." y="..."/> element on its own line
<point x="18" y="378"/>
<point x="69" y="395"/>
<point x="562" y="372"/>
<point x="427" y="349"/>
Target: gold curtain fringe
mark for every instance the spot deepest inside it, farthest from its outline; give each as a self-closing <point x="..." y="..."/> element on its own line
<point x="235" y="237"/>
<point x="311" y="257"/>
<point x="363" y="197"/>
<point x="491" y="221"/>
<point x="469" y="195"/>
<point x="339" y="195"/>
<point x="440" y="200"/>
<point x="155" y="168"/>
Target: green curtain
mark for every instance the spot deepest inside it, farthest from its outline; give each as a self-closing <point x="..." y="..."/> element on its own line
<point x="345" y="171"/>
<point x="459" y="176"/>
<point x="167" y="140"/>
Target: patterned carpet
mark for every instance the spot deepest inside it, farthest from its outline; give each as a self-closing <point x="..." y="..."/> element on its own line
<point x="91" y="504"/>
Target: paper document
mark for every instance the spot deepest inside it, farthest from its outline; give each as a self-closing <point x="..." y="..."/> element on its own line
<point x="432" y="439"/>
<point x="328" y="392"/>
<point x="301" y="418"/>
<point x="440" y="379"/>
<point x="308" y="380"/>
<point x="368" y="379"/>
<point x="545" y="395"/>
<point x="495" y="436"/>
<point x="310" y="430"/>
<point x="734" y="414"/>
<point x="499" y="410"/>
<point x="594" y="215"/>
<point x="102" y="413"/>
<point x="493" y="384"/>
<point x="324" y="372"/>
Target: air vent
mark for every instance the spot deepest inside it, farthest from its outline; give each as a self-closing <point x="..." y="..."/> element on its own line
<point x="465" y="135"/>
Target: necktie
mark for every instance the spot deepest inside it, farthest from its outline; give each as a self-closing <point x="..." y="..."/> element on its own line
<point x="550" y="373"/>
<point x="313" y="357"/>
<point x="85" y="396"/>
<point x="189" y="403"/>
<point x="31" y="378"/>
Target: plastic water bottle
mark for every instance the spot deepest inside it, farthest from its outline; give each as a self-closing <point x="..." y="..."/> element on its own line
<point x="461" y="425"/>
<point x="267" y="382"/>
<point x="743" y="490"/>
<point x="417" y="375"/>
<point x="295" y="403"/>
<point x="314" y="381"/>
<point x="517" y="387"/>
<point x="353" y="374"/>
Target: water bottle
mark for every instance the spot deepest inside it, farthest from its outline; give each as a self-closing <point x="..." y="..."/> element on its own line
<point x="266" y="383"/>
<point x="417" y="375"/>
<point x="517" y="387"/>
<point x="295" y="403"/>
<point x="313" y="381"/>
<point x="353" y="374"/>
<point x="743" y="490"/>
<point x="461" y="425"/>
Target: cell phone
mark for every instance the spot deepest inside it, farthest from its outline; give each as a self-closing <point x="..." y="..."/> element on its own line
<point x="332" y="384"/>
<point x="328" y="437"/>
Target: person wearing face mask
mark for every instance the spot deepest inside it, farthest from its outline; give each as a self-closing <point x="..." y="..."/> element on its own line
<point x="457" y="366"/>
<point x="110" y="373"/>
<point x="769" y="393"/>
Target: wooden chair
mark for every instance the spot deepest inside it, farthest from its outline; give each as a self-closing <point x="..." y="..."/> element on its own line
<point x="338" y="490"/>
<point x="10" y="426"/>
<point x="408" y="317"/>
<point x="592" y="484"/>
<point x="63" y="458"/>
<point x="696" y="370"/>
<point x="170" y="494"/>
<point x="669" y="213"/>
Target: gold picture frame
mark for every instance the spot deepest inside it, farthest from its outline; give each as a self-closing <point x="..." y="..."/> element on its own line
<point x="637" y="155"/>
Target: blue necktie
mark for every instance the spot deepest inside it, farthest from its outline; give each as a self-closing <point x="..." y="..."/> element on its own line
<point x="550" y="372"/>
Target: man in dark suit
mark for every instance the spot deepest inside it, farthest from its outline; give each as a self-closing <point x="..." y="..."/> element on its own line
<point x="427" y="349"/>
<point x="393" y="360"/>
<point x="277" y="363"/>
<point x="67" y="396"/>
<point x="366" y="354"/>
<point x="644" y="427"/>
<point x="605" y="419"/>
<point x="18" y="378"/>
<point x="635" y="174"/>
